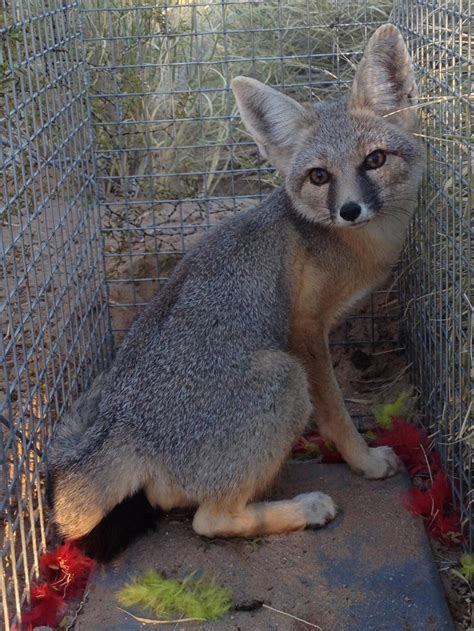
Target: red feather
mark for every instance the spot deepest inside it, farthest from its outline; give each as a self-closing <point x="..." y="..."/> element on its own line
<point x="329" y="453"/>
<point x="408" y="441"/>
<point x="46" y="607"/>
<point x="446" y="527"/>
<point x="314" y="444"/>
<point x="434" y="503"/>
<point x="441" y="491"/>
<point x="431" y="501"/>
<point x="67" y="569"/>
<point x="419" y="502"/>
<point x="304" y="446"/>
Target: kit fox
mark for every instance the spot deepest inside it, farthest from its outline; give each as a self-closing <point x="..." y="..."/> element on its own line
<point x="217" y="379"/>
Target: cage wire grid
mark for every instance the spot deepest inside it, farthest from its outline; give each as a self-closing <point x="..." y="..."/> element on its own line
<point x="53" y="293"/>
<point x="437" y="282"/>
<point x="121" y="145"/>
<point x="180" y="162"/>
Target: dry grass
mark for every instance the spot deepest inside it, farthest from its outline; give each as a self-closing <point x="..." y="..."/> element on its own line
<point x="171" y="68"/>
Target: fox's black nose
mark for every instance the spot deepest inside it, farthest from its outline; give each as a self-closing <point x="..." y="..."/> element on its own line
<point x="350" y="211"/>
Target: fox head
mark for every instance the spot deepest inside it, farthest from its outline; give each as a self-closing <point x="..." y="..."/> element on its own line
<point x="351" y="161"/>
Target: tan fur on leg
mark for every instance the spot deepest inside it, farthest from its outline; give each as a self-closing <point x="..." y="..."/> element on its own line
<point x="333" y="419"/>
<point x="265" y="518"/>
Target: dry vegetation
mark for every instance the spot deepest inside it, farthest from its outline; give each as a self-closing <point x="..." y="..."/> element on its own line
<point x="163" y="74"/>
<point x="171" y="153"/>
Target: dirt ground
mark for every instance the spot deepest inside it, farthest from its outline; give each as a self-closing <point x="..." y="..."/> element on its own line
<point x="459" y="594"/>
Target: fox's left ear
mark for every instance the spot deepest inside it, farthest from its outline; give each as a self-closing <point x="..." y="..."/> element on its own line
<point x="385" y="81"/>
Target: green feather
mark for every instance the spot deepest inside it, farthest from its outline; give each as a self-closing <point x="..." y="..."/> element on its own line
<point x="467" y="566"/>
<point x="385" y="412"/>
<point x="190" y="597"/>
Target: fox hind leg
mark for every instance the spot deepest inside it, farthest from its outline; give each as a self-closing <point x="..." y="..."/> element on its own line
<point x="236" y="515"/>
<point x="265" y="518"/>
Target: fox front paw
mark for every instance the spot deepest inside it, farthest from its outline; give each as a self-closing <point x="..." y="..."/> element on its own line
<point x="382" y="462"/>
<point x="317" y="508"/>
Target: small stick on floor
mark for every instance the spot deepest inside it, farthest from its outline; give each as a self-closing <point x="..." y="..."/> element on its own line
<point x="151" y="621"/>
<point x="284" y="613"/>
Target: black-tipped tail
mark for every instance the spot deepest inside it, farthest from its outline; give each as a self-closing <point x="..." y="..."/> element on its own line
<point x="125" y="523"/>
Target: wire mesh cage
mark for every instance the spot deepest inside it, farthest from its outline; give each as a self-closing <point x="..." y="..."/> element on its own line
<point x="438" y="261"/>
<point x="53" y="294"/>
<point x="121" y="146"/>
<point x="172" y="157"/>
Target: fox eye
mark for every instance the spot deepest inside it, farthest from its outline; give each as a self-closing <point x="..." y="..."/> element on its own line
<point x="319" y="176"/>
<point x="375" y="160"/>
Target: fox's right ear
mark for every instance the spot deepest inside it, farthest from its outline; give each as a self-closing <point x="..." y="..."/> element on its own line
<point x="273" y="119"/>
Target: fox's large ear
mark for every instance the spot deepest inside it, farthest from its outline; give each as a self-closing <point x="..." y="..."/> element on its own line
<point x="385" y="81"/>
<point x="273" y="119"/>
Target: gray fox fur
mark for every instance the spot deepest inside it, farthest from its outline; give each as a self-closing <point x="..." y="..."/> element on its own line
<point x="217" y="379"/>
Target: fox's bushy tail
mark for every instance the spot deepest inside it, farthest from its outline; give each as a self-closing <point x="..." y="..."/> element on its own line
<point x="94" y="487"/>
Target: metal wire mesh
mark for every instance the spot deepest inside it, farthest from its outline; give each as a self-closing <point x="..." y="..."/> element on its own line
<point x="171" y="152"/>
<point x="169" y="158"/>
<point x="438" y="278"/>
<point x="53" y="295"/>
